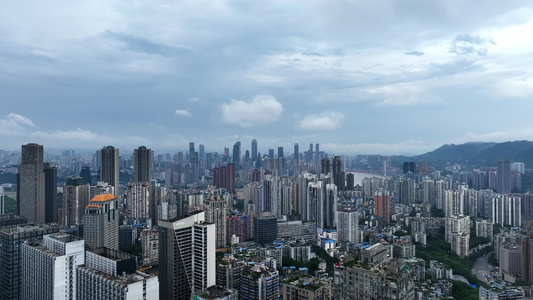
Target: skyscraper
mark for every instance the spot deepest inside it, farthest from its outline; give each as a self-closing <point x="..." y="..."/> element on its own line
<point x="142" y="165"/>
<point x="215" y="212"/>
<point x="202" y="151"/>
<point x="270" y="153"/>
<point x="382" y="208"/>
<point x="296" y="153"/>
<point x="254" y="150"/>
<point x="49" y="268"/>
<point x="109" y="167"/>
<point x="527" y="254"/>
<point x="2" y="204"/>
<point x="237" y="155"/>
<point x="50" y="193"/>
<point x="100" y="222"/>
<point x="280" y="152"/>
<point x="188" y="244"/>
<point x="31" y="184"/>
<point x="76" y="195"/>
<point x="504" y="177"/>
<point x="138" y="200"/>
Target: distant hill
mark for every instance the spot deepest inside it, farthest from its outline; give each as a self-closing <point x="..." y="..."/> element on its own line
<point x="475" y="154"/>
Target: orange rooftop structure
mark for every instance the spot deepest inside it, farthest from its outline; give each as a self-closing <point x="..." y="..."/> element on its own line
<point x="102" y="198"/>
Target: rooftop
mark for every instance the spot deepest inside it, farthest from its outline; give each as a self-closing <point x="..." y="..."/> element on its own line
<point x="102" y="198"/>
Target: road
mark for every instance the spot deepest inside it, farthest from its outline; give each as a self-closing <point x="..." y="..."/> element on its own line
<point x="481" y="268"/>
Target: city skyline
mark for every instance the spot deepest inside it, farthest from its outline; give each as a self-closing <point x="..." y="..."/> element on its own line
<point x="360" y="77"/>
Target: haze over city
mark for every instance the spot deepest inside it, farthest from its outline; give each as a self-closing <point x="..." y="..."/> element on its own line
<point x="359" y="77"/>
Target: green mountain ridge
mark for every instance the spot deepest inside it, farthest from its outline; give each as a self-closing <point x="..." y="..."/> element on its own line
<point x="475" y="154"/>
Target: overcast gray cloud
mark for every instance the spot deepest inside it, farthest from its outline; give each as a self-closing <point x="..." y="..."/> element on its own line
<point x="356" y="76"/>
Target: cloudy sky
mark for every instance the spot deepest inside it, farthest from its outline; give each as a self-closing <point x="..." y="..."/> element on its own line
<point x="359" y="77"/>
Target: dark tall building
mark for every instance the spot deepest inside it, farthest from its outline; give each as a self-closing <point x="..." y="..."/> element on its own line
<point x="326" y="166"/>
<point x="86" y="173"/>
<point x="193" y="160"/>
<point x="109" y="167"/>
<point x="30" y="184"/>
<point x="254" y="150"/>
<point x="202" y="151"/>
<point x="280" y="152"/>
<point x="224" y="177"/>
<point x="296" y="152"/>
<point x="270" y="153"/>
<point x="504" y="177"/>
<point x="237" y="155"/>
<point x="142" y="165"/>
<point x="350" y="182"/>
<point x="50" y="193"/>
<point x="527" y="254"/>
<point x="338" y="173"/>
<point x="409" y="166"/>
<point x="265" y="228"/>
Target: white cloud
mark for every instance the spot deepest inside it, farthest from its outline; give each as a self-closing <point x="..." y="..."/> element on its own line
<point x="262" y="109"/>
<point x="194" y="99"/>
<point x="497" y="136"/>
<point x="182" y="112"/>
<point x="15" y="124"/>
<point x="409" y="147"/>
<point x="327" y="120"/>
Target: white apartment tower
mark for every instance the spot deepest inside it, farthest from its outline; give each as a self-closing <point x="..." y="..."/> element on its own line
<point x="348" y="226"/>
<point x="49" y="268"/>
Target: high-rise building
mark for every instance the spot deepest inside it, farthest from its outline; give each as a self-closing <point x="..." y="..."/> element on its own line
<point x="215" y="212"/>
<point x="86" y="173"/>
<point x="259" y="282"/>
<point x="50" y="193"/>
<point x="224" y="177"/>
<point x="49" y="268"/>
<point x="270" y="153"/>
<point x="2" y="203"/>
<point x="138" y="200"/>
<point x="254" y="150"/>
<point x="265" y="228"/>
<point x="11" y="240"/>
<point x="348" y="225"/>
<point x="504" y="177"/>
<point x="510" y="260"/>
<point x="527" y="254"/>
<point x="201" y="150"/>
<point x="237" y="155"/>
<point x="188" y="244"/>
<point x="296" y="155"/>
<point x="409" y="166"/>
<point x="457" y="232"/>
<point x="142" y="165"/>
<point x="100" y="222"/>
<point x="76" y="195"/>
<point x="31" y="184"/>
<point x="350" y="182"/>
<point x="382" y="199"/>
<point x="109" y="167"/>
<point x="518" y="167"/>
<point x="338" y="173"/>
<point x="454" y="202"/>
<point x="280" y="152"/>
<point x="111" y="275"/>
<point x="506" y="210"/>
<point x="326" y="166"/>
